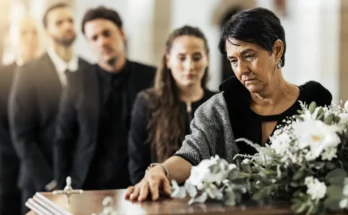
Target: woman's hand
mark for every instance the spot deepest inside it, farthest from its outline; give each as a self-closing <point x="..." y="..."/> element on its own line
<point x="154" y="181"/>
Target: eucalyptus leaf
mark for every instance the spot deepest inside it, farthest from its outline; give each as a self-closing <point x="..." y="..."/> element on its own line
<point x="230" y="198"/>
<point x="312" y="107"/>
<point x="336" y="176"/>
<point x="334" y="192"/>
<point x="300" y="111"/>
<point x="233" y="174"/>
<point x="337" y="119"/>
<point x="246" y="167"/>
<point x="329" y="119"/>
<point x="299" y="207"/>
<point x="299" y="174"/>
<point x="330" y="165"/>
<point x="321" y="116"/>
<point x="259" y="195"/>
<point x="332" y="204"/>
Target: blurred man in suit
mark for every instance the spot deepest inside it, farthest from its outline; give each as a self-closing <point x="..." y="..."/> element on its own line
<point x="24" y="35"/>
<point x="93" y="123"/>
<point x="34" y="100"/>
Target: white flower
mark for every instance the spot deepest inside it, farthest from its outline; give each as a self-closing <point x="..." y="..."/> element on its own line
<point x="329" y="153"/>
<point x="281" y="143"/>
<point x="316" y="189"/>
<point x="202" y="174"/>
<point x="246" y="161"/>
<point x="343" y="203"/>
<point x="345" y="190"/>
<point x="315" y="135"/>
<point x="346" y="105"/>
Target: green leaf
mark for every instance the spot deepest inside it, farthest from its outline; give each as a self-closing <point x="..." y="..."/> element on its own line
<point x="334" y="192"/>
<point x="320" y="112"/>
<point x="330" y="165"/>
<point x="300" y="118"/>
<point x="294" y="184"/>
<point x="246" y="167"/>
<point x="337" y="119"/>
<point x="312" y="107"/>
<point x="230" y="198"/>
<point x="233" y="174"/>
<point x="298" y="207"/>
<point x="332" y="204"/>
<point x="321" y="116"/>
<point x="299" y="174"/>
<point x="336" y="176"/>
<point x="329" y="119"/>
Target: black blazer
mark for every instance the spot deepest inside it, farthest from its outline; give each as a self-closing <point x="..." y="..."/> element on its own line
<point x="9" y="162"/>
<point x="77" y="125"/>
<point x="33" y="107"/>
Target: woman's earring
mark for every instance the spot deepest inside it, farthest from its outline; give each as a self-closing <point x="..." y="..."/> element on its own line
<point x="279" y="64"/>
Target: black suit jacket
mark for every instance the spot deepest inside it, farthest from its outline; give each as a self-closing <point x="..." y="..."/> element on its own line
<point x="33" y="106"/>
<point x="9" y="162"/>
<point x="77" y="123"/>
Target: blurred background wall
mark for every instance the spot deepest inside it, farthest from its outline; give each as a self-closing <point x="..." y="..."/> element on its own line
<point x="316" y="32"/>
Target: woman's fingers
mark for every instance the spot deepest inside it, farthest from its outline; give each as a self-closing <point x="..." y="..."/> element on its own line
<point x="144" y="192"/>
<point x="129" y="191"/>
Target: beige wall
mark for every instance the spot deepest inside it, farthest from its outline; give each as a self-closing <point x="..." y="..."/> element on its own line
<point x="343" y="61"/>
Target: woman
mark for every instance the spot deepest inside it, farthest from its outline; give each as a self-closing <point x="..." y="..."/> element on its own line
<point x="25" y="39"/>
<point x="253" y="103"/>
<point x="161" y="115"/>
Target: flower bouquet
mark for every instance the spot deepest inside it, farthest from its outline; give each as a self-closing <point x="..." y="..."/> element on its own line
<point x="305" y="164"/>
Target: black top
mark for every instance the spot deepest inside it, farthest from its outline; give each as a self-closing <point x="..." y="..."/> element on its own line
<point x="139" y="149"/>
<point x="91" y="142"/>
<point x="111" y="136"/>
<point x="247" y="124"/>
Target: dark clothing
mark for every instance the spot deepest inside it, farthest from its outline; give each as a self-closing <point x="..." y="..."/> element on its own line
<point x="33" y="106"/>
<point x="9" y="161"/>
<point x="247" y="124"/>
<point x="92" y="129"/>
<point x="139" y="149"/>
<point x="227" y="116"/>
<point x="111" y="135"/>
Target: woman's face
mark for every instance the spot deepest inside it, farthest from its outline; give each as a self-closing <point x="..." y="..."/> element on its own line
<point x="187" y="60"/>
<point x="254" y="66"/>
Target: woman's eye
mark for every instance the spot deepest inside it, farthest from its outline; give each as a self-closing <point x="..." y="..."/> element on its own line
<point x="249" y="57"/>
<point x="197" y="58"/>
<point x="233" y="62"/>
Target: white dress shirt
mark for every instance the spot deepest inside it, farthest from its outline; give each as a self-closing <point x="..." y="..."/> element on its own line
<point x="61" y="66"/>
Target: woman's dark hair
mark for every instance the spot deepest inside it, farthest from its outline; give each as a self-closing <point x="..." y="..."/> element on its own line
<point x="166" y="129"/>
<point x="101" y="12"/>
<point x="258" y="25"/>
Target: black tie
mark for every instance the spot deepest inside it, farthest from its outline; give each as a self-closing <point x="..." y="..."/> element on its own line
<point x="67" y="73"/>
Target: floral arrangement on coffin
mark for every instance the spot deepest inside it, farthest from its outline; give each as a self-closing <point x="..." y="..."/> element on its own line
<point x="305" y="164"/>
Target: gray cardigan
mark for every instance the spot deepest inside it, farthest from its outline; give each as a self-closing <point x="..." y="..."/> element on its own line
<point x="211" y="133"/>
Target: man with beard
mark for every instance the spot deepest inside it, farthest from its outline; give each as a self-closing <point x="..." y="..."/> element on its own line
<point x="96" y="112"/>
<point x="24" y="36"/>
<point x="34" y="101"/>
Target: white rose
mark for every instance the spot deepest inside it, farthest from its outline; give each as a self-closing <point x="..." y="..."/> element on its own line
<point x="329" y="153"/>
<point x="316" y="189"/>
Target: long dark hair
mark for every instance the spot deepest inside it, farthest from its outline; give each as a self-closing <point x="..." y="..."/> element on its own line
<point x="165" y="127"/>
